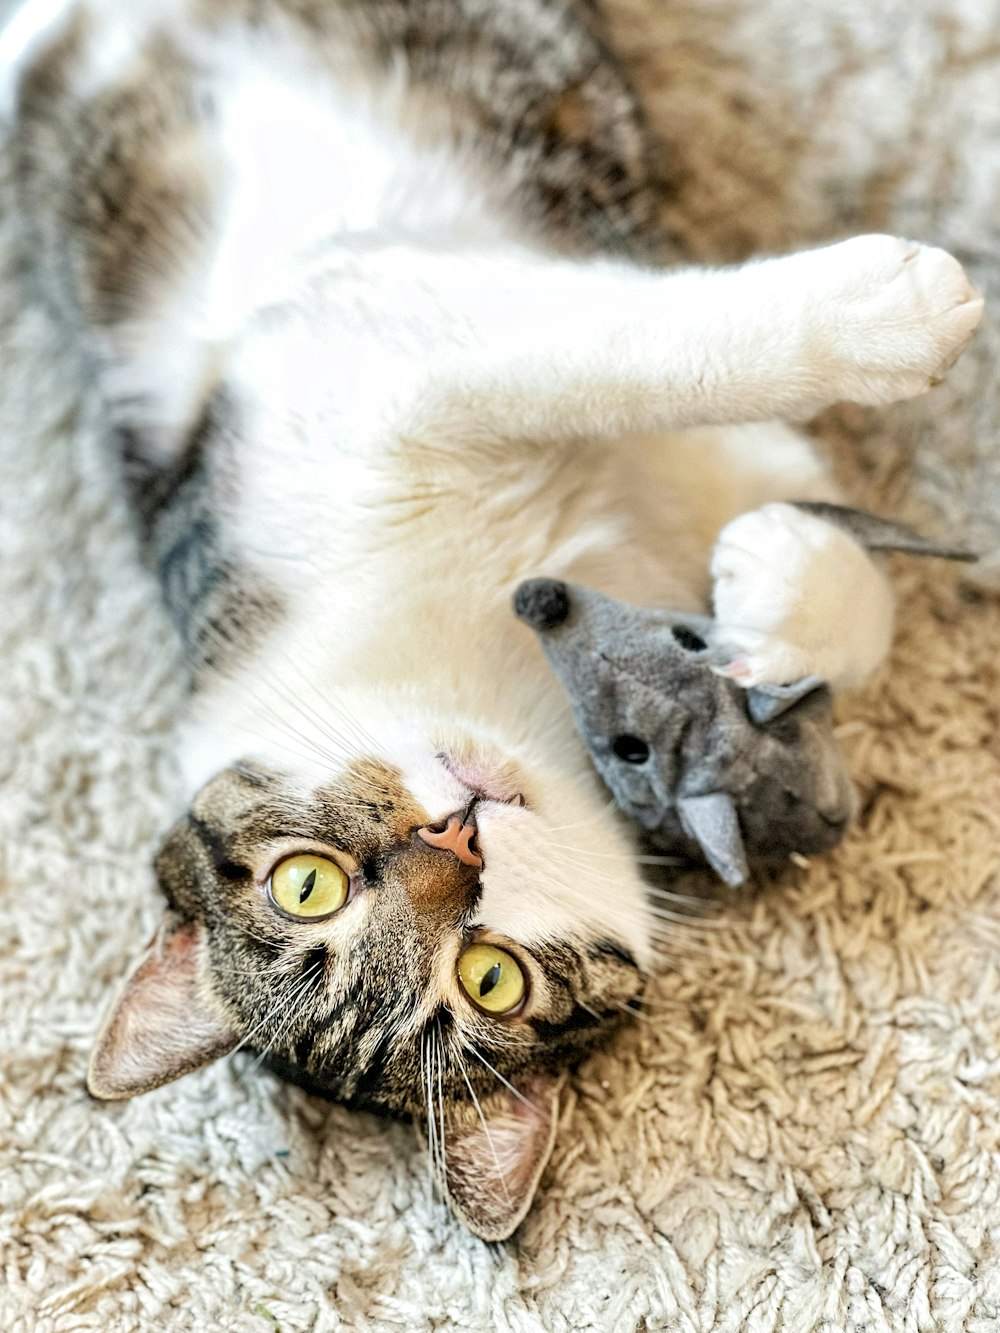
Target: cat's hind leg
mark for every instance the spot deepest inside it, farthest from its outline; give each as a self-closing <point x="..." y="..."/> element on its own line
<point x="118" y="195"/>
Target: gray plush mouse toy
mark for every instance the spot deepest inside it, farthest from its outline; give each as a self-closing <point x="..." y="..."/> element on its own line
<point x="702" y="764"/>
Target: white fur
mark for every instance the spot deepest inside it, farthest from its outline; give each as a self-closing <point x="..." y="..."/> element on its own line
<point x="519" y="345"/>
<point x="796" y="597"/>
<point x="432" y="409"/>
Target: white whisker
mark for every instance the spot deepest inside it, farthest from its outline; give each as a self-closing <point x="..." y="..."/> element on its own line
<point x="496" y="1073"/>
<point x="486" y="1129"/>
<point x="291" y="993"/>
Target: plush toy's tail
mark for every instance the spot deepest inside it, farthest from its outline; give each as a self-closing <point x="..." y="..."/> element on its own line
<point x="884" y="534"/>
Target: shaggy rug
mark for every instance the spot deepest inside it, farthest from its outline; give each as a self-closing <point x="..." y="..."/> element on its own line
<point x="803" y="1133"/>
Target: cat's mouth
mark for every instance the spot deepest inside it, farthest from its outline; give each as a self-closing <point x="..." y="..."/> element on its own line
<point x="484" y="780"/>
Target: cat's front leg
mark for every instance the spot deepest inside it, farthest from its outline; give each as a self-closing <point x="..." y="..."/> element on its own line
<point x="796" y="596"/>
<point x="562" y="349"/>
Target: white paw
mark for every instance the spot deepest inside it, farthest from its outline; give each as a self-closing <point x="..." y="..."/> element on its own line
<point x="895" y="316"/>
<point x="795" y="596"/>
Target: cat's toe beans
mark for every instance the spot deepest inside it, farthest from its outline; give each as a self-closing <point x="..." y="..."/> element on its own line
<point x="737" y="668"/>
<point x="772" y="662"/>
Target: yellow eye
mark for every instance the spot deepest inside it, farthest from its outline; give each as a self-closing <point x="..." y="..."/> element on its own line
<point x="309" y="886"/>
<point x="491" y="978"/>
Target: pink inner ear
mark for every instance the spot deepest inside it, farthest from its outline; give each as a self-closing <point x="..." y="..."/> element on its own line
<point x="515" y="1132"/>
<point x="493" y="1168"/>
<point x="162" y="1025"/>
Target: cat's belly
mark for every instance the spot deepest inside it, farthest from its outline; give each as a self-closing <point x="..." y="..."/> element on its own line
<point x="396" y="578"/>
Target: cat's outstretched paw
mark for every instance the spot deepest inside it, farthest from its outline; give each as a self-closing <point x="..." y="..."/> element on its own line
<point x="896" y="317"/>
<point x="795" y="596"/>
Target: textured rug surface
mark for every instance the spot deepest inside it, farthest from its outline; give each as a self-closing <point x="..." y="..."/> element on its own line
<point x="804" y="1132"/>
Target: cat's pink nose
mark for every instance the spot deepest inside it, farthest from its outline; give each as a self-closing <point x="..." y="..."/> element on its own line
<point x="456" y="834"/>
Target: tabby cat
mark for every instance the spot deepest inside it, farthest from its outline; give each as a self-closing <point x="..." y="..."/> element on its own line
<point x="376" y="293"/>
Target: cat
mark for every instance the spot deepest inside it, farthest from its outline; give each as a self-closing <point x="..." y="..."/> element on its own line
<point x="387" y="318"/>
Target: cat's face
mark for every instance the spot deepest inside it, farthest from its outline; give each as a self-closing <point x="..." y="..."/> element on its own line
<point x="435" y="937"/>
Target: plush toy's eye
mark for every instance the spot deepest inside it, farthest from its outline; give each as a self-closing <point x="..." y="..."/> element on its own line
<point x="688" y="640"/>
<point x="308" y="886"/>
<point x="631" y="749"/>
<point x="491" y="978"/>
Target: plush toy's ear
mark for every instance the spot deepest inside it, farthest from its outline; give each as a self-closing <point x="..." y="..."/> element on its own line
<point x="766" y="702"/>
<point x="714" y="824"/>
<point x="884" y="534"/>
<point x="496" y="1152"/>
<point x="164" y="1023"/>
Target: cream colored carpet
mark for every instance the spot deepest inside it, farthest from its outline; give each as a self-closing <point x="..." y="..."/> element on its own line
<point x="804" y="1134"/>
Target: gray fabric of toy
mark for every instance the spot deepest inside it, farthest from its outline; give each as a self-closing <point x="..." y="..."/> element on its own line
<point x="702" y="764"/>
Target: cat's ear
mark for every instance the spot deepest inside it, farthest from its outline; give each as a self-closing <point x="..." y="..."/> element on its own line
<point x="495" y="1155"/>
<point x="164" y="1023"/>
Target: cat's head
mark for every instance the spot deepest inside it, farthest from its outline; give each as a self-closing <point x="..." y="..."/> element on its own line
<point x="435" y="936"/>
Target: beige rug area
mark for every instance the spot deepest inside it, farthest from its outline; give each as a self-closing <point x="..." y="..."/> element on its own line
<point x="804" y="1133"/>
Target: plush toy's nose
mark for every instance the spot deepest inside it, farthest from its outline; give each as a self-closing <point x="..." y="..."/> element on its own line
<point x="542" y="603"/>
<point x="456" y="834"/>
